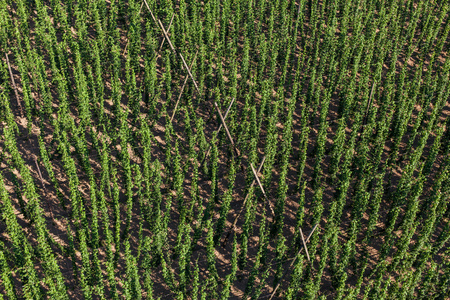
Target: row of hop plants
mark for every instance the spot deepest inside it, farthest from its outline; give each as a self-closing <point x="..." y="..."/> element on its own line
<point x="260" y="115"/>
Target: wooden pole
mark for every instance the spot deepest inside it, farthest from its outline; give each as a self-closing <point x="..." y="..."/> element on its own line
<point x="167" y="36"/>
<point x="365" y="115"/>
<point x="14" y="85"/>
<point x="304" y="244"/>
<point x="181" y="55"/>
<point x="151" y="13"/>
<point x="233" y="227"/>
<point x="298" y="10"/>
<point x="254" y="180"/>
<point x="182" y="88"/>
<point x="262" y="189"/>
<point x="171" y="46"/>
<point x="292" y="263"/>
<point x="168" y="28"/>
<point x="257" y="180"/>
<point x="164" y="38"/>
<point x="307" y="240"/>
<point x="227" y="131"/>
<point x="370" y="98"/>
<point x="220" y="127"/>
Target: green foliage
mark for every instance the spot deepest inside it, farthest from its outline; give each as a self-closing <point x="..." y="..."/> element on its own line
<point x="346" y="102"/>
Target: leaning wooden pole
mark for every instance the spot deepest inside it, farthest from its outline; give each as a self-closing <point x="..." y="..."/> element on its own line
<point x="151" y="13"/>
<point x="181" y="55"/>
<point x="304" y="245"/>
<point x="369" y="104"/>
<point x="233" y="226"/>
<point x="182" y="89"/>
<point x="168" y="28"/>
<point x="262" y="189"/>
<point x="220" y="127"/>
<point x="292" y="263"/>
<point x="366" y="114"/>
<point x="226" y="130"/>
<point x="157" y="21"/>
<point x="14" y="85"/>
<point x="164" y="38"/>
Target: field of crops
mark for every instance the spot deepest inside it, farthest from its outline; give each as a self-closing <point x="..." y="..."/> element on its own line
<point x="233" y="149"/>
